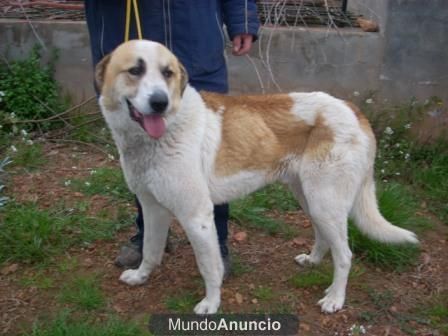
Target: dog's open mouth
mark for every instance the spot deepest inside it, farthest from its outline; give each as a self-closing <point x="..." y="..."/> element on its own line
<point x="152" y="124"/>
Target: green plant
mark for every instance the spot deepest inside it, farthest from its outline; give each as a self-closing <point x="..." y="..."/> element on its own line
<point x="3" y="163"/>
<point x="29" y="234"/>
<point x="39" y="280"/>
<point x="27" y="155"/>
<point x="29" y="91"/>
<point x="65" y="325"/>
<point x="321" y="275"/>
<point x="252" y="210"/>
<point x="312" y="277"/>
<point x="264" y="293"/>
<point x="104" y="181"/>
<point x="83" y="292"/>
<point x="182" y="303"/>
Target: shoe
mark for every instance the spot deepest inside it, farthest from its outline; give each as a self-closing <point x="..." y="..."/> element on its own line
<point x="130" y="256"/>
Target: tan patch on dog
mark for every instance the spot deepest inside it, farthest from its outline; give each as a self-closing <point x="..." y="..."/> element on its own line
<point x="363" y="121"/>
<point x="259" y="132"/>
<point x="320" y="140"/>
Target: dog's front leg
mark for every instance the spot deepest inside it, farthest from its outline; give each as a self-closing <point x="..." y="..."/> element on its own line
<point x="201" y="231"/>
<point x="156" y="220"/>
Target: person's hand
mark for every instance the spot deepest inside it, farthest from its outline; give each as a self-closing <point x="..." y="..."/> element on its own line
<point x="241" y="44"/>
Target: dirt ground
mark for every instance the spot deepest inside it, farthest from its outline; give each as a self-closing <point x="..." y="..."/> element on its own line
<point x="383" y="302"/>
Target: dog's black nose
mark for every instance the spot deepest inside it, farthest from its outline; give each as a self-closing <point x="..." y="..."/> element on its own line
<point x="158" y="101"/>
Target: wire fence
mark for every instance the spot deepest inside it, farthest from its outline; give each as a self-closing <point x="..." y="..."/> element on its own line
<point x="290" y="13"/>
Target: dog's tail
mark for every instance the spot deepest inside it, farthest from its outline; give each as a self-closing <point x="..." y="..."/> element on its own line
<point x="369" y="220"/>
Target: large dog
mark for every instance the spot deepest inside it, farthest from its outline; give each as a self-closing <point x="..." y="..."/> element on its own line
<point x="182" y="151"/>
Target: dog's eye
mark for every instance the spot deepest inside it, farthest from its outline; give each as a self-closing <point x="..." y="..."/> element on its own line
<point x="167" y="72"/>
<point x="136" y="71"/>
<point x="139" y="69"/>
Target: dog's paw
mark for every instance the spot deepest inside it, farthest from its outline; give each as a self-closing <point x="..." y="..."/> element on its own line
<point x="304" y="260"/>
<point x="206" y="306"/>
<point x="332" y="302"/>
<point x="133" y="277"/>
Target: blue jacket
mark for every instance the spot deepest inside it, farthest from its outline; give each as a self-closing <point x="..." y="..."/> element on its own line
<point x="192" y="29"/>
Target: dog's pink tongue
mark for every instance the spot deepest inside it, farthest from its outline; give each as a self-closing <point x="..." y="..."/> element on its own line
<point x="154" y="125"/>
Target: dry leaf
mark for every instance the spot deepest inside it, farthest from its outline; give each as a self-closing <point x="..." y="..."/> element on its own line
<point x="239" y="298"/>
<point x="240" y="236"/>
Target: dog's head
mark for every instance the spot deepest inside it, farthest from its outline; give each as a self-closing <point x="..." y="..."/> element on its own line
<point x="144" y="79"/>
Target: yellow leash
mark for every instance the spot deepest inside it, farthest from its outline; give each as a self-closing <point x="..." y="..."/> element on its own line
<point x="128" y="20"/>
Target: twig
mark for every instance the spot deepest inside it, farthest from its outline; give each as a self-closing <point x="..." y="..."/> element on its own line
<point x="32" y="27"/>
<point x="56" y="116"/>
<point x="80" y="143"/>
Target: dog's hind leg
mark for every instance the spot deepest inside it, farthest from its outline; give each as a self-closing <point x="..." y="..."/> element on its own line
<point x="156" y="220"/>
<point x="201" y="231"/>
<point x="320" y="246"/>
<point x="330" y="193"/>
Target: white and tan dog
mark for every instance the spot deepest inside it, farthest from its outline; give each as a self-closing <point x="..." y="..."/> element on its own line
<point x="182" y="151"/>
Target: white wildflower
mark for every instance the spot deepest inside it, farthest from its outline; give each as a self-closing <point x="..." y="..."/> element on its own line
<point x="389" y="131"/>
<point x="408" y="126"/>
<point x="30" y="142"/>
<point x="383" y="171"/>
<point x="385" y="181"/>
<point x="13" y="148"/>
<point x="397" y="173"/>
<point x="111" y="157"/>
<point x="14" y="129"/>
<point x="74" y="167"/>
<point x="92" y="172"/>
<point x="24" y="132"/>
<point x="397" y="145"/>
<point x="356" y="93"/>
<point x="369" y="101"/>
<point x="12" y="115"/>
<point x="67" y="183"/>
<point x="87" y="184"/>
<point x="2" y="93"/>
<point x="407" y="156"/>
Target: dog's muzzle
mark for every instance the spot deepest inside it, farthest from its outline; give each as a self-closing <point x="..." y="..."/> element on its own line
<point x="154" y="123"/>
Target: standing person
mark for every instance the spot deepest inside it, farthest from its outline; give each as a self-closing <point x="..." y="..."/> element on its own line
<point x="193" y="31"/>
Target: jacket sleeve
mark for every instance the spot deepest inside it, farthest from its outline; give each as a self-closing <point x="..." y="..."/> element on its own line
<point x="240" y="16"/>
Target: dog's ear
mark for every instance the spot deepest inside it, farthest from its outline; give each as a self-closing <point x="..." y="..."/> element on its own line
<point x="100" y="72"/>
<point x="183" y="78"/>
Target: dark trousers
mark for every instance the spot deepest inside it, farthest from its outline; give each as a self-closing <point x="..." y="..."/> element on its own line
<point x="221" y="221"/>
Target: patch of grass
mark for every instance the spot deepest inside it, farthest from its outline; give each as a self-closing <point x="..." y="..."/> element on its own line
<point x="64" y="325"/>
<point x="29" y="234"/>
<point x="264" y="293"/>
<point x="239" y="267"/>
<point x="83" y="293"/>
<point x="27" y="156"/>
<point x="321" y="275"/>
<point x="104" y="181"/>
<point x="252" y="210"/>
<point x="399" y="207"/>
<point x="183" y="303"/>
<point x="67" y="264"/>
<point x="432" y="179"/>
<point x="436" y="311"/>
<point x="39" y="280"/>
<point x="312" y="277"/>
